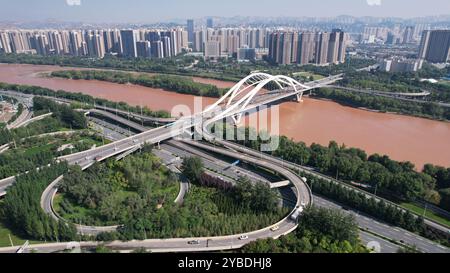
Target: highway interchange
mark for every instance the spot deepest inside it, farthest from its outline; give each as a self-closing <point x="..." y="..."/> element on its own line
<point x="364" y="221"/>
<point x="155" y="136"/>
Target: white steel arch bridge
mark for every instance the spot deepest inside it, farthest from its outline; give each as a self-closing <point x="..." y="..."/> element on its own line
<point x="250" y="92"/>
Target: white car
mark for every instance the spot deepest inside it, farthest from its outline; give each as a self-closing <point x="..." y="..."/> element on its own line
<point x="243" y="237"/>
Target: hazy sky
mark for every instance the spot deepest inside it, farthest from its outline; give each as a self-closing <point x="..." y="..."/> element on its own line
<point x="155" y="10"/>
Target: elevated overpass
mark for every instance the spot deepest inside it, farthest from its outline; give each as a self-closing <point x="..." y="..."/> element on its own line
<point x="111" y="116"/>
<point x="128" y="114"/>
<point x="241" y="98"/>
<point x="421" y="94"/>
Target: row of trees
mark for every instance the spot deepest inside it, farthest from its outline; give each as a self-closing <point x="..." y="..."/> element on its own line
<point x="18" y="161"/>
<point x="383" y="81"/>
<point x="230" y="68"/>
<point x="21" y="207"/>
<point x="178" y="84"/>
<point x="392" y="179"/>
<point x="84" y="100"/>
<point x="379" y="209"/>
<point x="166" y="65"/>
<point x="385" y="104"/>
<point x="442" y="177"/>
<point x="226" y="69"/>
<point x="320" y="231"/>
<point x="64" y="113"/>
<point x="401" y="82"/>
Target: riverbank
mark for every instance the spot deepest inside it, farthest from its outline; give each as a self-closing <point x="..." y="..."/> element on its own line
<point x="403" y="138"/>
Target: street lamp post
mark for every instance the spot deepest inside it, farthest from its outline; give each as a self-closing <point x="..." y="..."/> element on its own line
<point x="10" y="240"/>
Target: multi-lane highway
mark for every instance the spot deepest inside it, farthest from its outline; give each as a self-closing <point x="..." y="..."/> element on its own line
<point x="303" y="193"/>
<point x="27" y="103"/>
<point x="128" y="114"/>
<point x="201" y="128"/>
<point x="219" y="242"/>
<point x="370" y="224"/>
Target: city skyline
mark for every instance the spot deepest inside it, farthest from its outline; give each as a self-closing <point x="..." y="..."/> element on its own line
<point x="140" y="11"/>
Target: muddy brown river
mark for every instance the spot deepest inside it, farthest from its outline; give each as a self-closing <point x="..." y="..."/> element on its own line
<point x="401" y="137"/>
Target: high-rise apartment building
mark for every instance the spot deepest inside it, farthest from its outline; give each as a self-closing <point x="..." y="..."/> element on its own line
<point x="199" y="41"/>
<point x="212" y="50"/>
<point x="129" y="43"/>
<point x="408" y="35"/>
<point x="75" y="43"/>
<point x="5" y="44"/>
<point x="337" y="46"/>
<point x="308" y="47"/>
<point x="246" y="54"/>
<point x="322" y="41"/>
<point x="400" y="65"/>
<point x="190" y="30"/>
<point x="143" y="49"/>
<point x="166" y="45"/>
<point x="157" y="50"/>
<point x="435" y="46"/>
<point x="210" y="23"/>
<point x="333" y="47"/>
<point x="343" y="40"/>
<point x="99" y="45"/>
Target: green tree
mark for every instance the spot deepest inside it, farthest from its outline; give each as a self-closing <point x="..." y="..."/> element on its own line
<point x="192" y="168"/>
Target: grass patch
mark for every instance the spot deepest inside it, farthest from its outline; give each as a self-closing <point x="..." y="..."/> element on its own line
<point x="445" y="83"/>
<point x="308" y="75"/>
<point x="429" y="213"/>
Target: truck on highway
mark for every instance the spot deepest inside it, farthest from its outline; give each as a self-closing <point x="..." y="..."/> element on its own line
<point x="232" y="165"/>
<point x="297" y="213"/>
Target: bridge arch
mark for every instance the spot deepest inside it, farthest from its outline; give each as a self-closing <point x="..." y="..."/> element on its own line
<point x="251" y="87"/>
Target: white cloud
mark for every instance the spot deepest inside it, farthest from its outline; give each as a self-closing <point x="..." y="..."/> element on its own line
<point x="374" y="2"/>
<point x="73" y="2"/>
